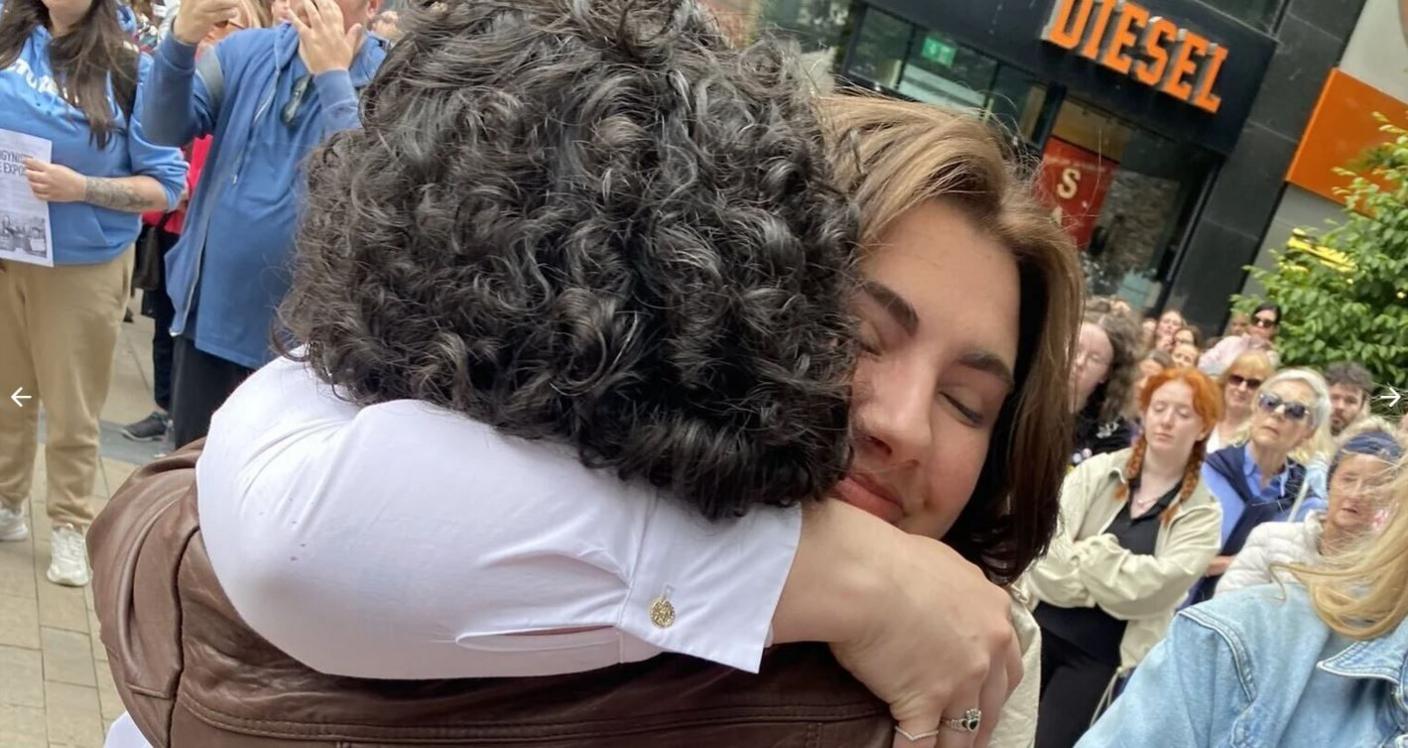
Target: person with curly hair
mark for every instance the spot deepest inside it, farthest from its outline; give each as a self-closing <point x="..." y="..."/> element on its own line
<point x="1102" y="378"/>
<point x="578" y="234"/>
<point x="1138" y="528"/>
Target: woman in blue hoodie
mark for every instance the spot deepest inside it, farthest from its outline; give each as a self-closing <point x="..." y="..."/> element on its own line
<point x="69" y="75"/>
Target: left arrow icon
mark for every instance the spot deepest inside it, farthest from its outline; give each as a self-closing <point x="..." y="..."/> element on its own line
<point x="18" y="398"/>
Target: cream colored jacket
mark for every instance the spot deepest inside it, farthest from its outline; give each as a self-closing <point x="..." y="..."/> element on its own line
<point x="1270" y="548"/>
<point x="1017" y="727"/>
<point x="1086" y="567"/>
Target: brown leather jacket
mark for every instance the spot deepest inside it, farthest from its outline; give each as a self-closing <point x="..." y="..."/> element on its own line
<point x="191" y="673"/>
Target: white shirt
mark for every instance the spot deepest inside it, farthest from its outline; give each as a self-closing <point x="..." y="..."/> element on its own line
<point x="401" y="540"/>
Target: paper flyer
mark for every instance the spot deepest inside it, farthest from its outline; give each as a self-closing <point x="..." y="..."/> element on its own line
<point x="24" y="218"/>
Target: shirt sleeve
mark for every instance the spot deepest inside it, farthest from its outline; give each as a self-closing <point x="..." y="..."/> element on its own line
<point x="1054" y="578"/>
<point x="1251" y="566"/>
<point x="339" y="101"/>
<point x="1215" y="361"/>
<point x="165" y="164"/>
<point x="405" y="541"/>
<point x="174" y="105"/>
<point x="1130" y="586"/>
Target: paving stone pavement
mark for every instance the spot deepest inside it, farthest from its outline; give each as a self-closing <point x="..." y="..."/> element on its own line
<point x="55" y="687"/>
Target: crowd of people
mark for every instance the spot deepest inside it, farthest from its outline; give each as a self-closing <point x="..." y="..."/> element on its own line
<point x="572" y="373"/>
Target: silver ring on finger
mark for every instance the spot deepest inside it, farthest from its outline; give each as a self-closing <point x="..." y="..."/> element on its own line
<point x="915" y="736"/>
<point x="969" y="722"/>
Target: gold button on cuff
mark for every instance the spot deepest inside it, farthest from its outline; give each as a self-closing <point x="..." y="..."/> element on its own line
<point x="662" y="613"/>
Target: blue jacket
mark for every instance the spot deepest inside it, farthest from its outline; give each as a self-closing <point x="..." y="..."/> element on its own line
<point x="85" y="234"/>
<point x="230" y="269"/>
<point x="1257" y="667"/>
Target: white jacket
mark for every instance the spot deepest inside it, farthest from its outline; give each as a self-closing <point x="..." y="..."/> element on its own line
<point x="1269" y="547"/>
<point x="1085" y="567"/>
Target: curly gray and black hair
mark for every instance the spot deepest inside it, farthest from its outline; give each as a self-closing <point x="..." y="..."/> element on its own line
<point x="595" y="222"/>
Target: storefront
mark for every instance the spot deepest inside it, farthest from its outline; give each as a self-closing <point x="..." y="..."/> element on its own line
<point x="1129" y="108"/>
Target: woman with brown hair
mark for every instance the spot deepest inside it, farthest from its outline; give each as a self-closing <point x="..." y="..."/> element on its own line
<point x="1137" y="530"/>
<point x="1102" y="378"/>
<point x="963" y="361"/>
<point x="69" y="75"/>
<point x="954" y="388"/>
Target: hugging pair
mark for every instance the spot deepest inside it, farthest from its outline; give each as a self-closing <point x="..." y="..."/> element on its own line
<point x="590" y="324"/>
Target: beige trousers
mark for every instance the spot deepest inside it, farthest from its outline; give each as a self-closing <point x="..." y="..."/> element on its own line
<point x="58" y="332"/>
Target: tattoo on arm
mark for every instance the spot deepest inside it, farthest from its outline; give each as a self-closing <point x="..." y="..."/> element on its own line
<point x="118" y="194"/>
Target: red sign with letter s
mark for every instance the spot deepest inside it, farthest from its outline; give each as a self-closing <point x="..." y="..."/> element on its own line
<point x="1075" y="182"/>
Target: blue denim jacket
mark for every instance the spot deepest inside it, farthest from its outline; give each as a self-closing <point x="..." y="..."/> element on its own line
<point x="1256" y="667"/>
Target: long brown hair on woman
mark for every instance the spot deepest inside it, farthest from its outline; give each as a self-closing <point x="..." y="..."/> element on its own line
<point x="1207" y="403"/>
<point x="893" y="156"/>
<point x="84" y="60"/>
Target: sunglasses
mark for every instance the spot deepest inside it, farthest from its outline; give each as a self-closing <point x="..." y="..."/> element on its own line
<point x="1237" y="380"/>
<point x="1264" y="323"/>
<point x="1294" y="411"/>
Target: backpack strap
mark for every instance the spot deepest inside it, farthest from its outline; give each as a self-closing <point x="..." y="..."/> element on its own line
<point x="208" y="68"/>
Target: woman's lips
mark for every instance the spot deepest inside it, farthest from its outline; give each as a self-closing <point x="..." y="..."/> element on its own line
<point x="866" y="496"/>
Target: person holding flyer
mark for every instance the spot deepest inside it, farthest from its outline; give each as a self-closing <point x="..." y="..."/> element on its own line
<point x="69" y="80"/>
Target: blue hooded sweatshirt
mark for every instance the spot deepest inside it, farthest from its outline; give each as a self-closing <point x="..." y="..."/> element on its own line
<point x="85" y="234"/>
<point x="231" y="267"/>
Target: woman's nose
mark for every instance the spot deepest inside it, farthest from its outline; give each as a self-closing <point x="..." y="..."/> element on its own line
<point x="893" y="420"/>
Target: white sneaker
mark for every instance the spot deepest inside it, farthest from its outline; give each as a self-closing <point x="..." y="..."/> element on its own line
<point x="12" y="525"/>
<point x="68" y="557"/>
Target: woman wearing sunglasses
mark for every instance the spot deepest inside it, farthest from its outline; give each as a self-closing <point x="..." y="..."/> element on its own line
<point x="1260" y="481"/>
<point x="1260" y="336"/>
<point x="1285" y="665"/>
<point x="1359" y="476"/>
<point x="1239" y="385"/>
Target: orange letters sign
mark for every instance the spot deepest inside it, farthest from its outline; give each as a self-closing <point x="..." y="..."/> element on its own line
<point x="1123" y="36"/>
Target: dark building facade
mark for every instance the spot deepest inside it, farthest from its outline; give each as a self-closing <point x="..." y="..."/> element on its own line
<point x="1161" y="129"/>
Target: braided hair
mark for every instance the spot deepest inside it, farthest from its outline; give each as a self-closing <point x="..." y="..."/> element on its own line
<point x="1207" y="403"/>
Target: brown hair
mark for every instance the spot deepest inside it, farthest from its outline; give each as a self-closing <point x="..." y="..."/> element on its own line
<point x="94" y="55"/>
<point x="1111" y="399"/>
<point x="1207" y="403"/>
<point x="895" y="155"/>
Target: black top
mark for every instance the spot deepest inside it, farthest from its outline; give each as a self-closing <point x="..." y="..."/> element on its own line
<point x="1095" y="438"/>
<point x="1092" y="630"/>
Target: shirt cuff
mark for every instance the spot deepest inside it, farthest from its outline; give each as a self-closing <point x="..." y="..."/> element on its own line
<point x="709" y="589"/>
<point x="334" y="86"/>
<point x="177" y="54"/>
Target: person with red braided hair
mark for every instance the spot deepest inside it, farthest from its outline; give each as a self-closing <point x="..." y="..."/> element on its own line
<point x="1137" y="530"/>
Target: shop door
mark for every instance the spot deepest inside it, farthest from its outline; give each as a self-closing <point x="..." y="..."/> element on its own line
<point x="1124" y="193"/>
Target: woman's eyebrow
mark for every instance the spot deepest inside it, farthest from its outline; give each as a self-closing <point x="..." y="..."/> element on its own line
<point x="898" y="308"/>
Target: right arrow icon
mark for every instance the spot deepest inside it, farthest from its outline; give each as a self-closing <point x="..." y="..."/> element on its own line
<point x="1392" y="397"/>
